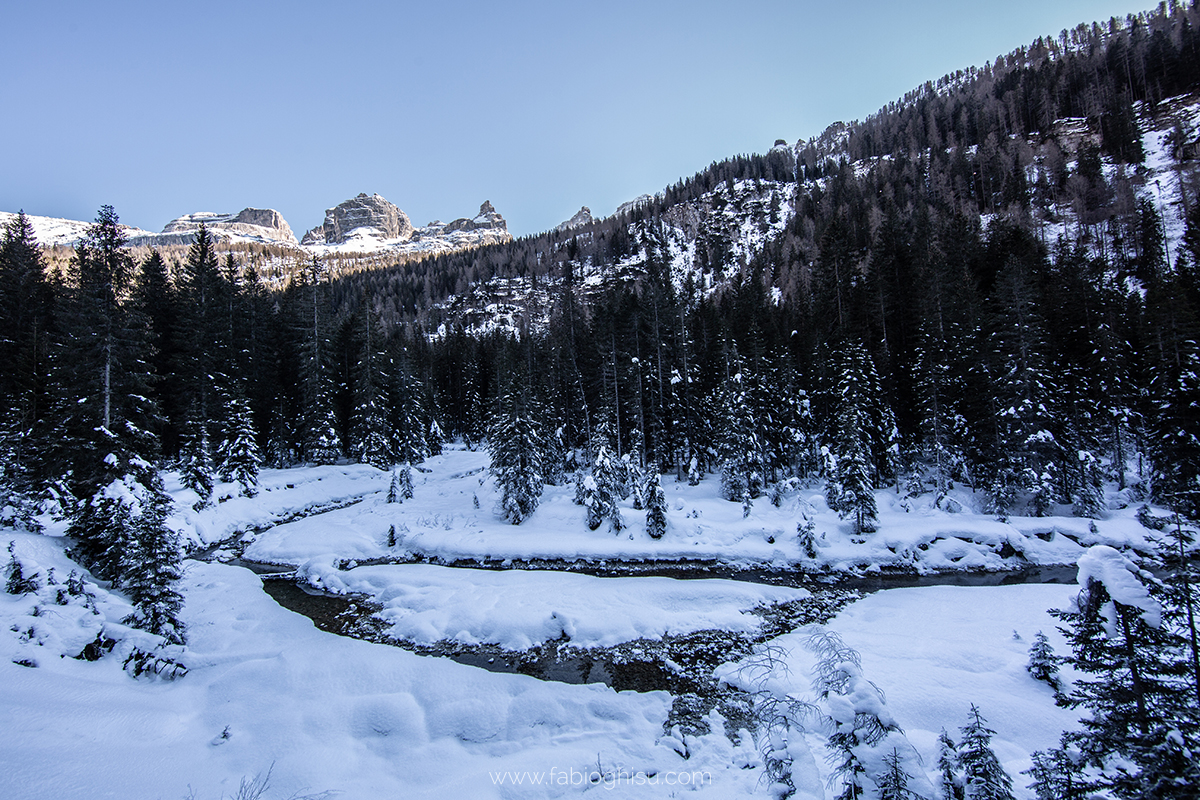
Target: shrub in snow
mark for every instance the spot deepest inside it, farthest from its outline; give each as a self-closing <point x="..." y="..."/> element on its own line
<point x="807" y="533"/>
<point x="18" y="582"/>
<point x="158" y="662"/>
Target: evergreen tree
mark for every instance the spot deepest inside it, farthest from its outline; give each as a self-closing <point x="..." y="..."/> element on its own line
<point x="196" y="467"/>
<point x="948" y="776"/>
<point x="151" y="563"/>
<point x="26" y="315"/>
<point x="404" y="482"/>
<point x="739" y="448"/>
<point x="17" y="582"/>
<point x="893" y="783"/>
<point x="857" y="425"/>
<point x="516" y="447"/>
<point x="371" y="433"/>
<point x="394" y="492"/>
<point x="601" y="489"/>
<point x="983" y="777"/>
<point x="1056" y="776"/>
<point x="656" y="507"/>
<point x="1043" y="664"/>
<point x="240" y="457"/>
<point x="202" y="364"/>
<point x="1139" y="687"/>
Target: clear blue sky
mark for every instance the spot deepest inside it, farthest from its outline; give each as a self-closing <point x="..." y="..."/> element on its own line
<point x="165" y="108"/>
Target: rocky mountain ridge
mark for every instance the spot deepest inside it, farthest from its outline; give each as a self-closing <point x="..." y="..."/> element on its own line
<point x="367" y="224"/>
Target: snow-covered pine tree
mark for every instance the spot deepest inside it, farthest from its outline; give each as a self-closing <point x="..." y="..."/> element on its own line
<point x="656" y="507"/>
<point x="320" y="441"/>
<point x="515" y="444"/>
<point x="410" y="415"/>
<point x="404" y="482"/>
<point x="370" y="433"/>
<point x="393" y="495"/>
<point x="1174" y="430"/>
<point x="240" y="457"/>
<point x="25" y="316"/>
<point x="1133" y="637"/>
<point x="1043" y="664"/>
<point x="1056" y="775"/>
<point x="949" y="780"/>
<point x="322" y="445"/>
<point x="16" y="581"/>
<point x="893" y="783"/>
<point x="1024" y="387"/>
<point x="983" y="777"/>
<point x="152" y="563"/>
<point x="1132" y="656"/>
<point x="738" y="445"/>
<point x="195" y="464"/>
<point x="601" y="488"/>
<point x="859" y="426"/>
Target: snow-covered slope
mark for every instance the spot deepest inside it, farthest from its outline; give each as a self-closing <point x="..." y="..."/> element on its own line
<point x="55" y="232"/>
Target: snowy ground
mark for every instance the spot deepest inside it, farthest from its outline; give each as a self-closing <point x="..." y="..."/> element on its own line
<point x="453" y="516"/>
<point x="364" y="720"/>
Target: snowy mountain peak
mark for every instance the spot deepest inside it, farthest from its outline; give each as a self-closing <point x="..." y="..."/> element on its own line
<point x="264" y="225"/>
<point x="582" y="217"/>
<point x="366" y="218"/>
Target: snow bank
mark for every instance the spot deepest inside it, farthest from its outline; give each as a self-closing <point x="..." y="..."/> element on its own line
<point x="517" y="609"/>
<point x="1120" y="578"/>
<point x="454" y="515"/>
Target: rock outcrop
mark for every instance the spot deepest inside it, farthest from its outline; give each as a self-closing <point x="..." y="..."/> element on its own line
<point x="256" y="224"/>
<point x="582" y="217"/>
<point x="363" y="217"/>
<point x="488" y="219"/>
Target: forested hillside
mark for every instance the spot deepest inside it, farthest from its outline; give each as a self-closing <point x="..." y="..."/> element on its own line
<point x="991" y="281"/>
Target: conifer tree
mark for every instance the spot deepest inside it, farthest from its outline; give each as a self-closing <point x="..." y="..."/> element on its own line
<point x="202" y="355"/>
<point x="1056" y="776"/>
<point x="893" y="783"/>
<point x="1043" y="664"/>
<point x="516" y="447"/>
<point x="240" y="457"/>
<point x="26" y="309"/>
<point x="196" y="467"/>
<point x="856" y="425"/>
<point x="656" y="507"/>
<point x="948" y="775"/>
<point x="372" y="436"/>
<point x="151" y="563"/>
<point x="404" y="482"/>
<point x="983" y="777"/>
<point x="739" y="448"/>
<point x="601" y="489"/>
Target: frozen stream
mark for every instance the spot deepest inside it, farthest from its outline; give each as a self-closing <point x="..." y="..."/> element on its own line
<point x="639" y="665"/>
